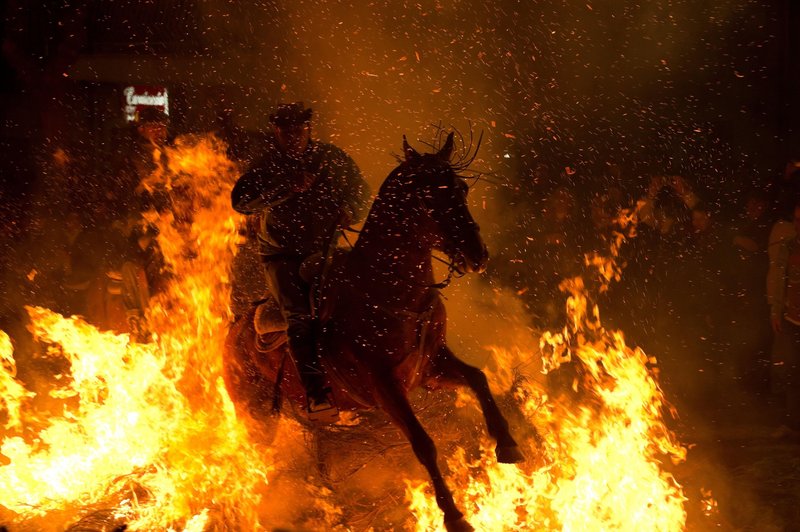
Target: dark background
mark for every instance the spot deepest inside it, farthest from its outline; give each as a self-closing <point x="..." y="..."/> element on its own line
<point x="706" y="89"/>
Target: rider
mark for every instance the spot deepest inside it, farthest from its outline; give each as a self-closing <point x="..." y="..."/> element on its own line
<point x="116" y="264"/>
<point x="305" y="190"/>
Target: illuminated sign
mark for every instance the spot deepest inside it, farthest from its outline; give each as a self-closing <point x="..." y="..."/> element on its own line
<point x="138" y="96"/>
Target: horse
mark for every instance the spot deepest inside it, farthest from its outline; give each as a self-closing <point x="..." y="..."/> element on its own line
<point x="383" y="320"/>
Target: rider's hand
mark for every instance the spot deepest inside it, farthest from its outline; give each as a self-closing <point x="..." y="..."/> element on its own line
<point x="302" y="181"/>
<point x="679" y="185"/>
<point x="656" y="184"/>
<point x="344" y="219"/>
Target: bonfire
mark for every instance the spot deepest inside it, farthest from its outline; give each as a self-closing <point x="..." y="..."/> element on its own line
<point x="144" y="434"/>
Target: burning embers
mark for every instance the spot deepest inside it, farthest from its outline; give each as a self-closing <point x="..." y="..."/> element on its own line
<point x="604" y="437"/>
<point x="144" y="434"/>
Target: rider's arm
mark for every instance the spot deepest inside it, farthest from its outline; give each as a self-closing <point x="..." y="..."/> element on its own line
<point x="258" y="189"/>
<point x="780" y="236"/>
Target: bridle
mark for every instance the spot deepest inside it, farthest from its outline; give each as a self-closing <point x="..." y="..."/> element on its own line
<point x="452" y="269"/>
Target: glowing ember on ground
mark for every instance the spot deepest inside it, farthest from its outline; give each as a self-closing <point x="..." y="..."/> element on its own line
<point x="604" y="438"/>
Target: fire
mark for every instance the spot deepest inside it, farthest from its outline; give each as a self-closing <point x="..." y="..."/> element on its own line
<point x="604" y="438"/>
<point x="12" y="393"/>
<point x="709" y="503"/>
<point x="146" y="432"/>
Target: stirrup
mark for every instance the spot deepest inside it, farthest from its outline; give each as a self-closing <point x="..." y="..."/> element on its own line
<point x="322" y="408"/>
<point x="137" y="329"/>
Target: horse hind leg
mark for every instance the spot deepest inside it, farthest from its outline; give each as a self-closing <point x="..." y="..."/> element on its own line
<point x="394" y="402"/>
<point x="458" y="372"/>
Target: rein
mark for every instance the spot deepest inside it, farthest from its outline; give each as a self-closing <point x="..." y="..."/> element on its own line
<point x="451" y="270"/>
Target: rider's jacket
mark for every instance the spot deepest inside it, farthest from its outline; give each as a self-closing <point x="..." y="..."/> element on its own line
<point x="300" y="223"/>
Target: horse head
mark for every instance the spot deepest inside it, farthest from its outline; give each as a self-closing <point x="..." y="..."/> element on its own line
<point x="441" y="201"/>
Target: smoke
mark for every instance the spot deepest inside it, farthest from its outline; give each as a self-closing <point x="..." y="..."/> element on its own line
<point x="575" y="83"/>
<point x="654" y="86"/>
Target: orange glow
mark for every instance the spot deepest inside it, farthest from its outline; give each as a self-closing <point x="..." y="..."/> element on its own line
<point x="603" y="448"/>
<point x="146" y="432"/>
<point x="12" y="392"/>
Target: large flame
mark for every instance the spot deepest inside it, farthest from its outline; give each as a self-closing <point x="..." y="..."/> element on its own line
<point x="146" y="435"/>
<point x="604" y="441"/>
<point x="147" y="432"/>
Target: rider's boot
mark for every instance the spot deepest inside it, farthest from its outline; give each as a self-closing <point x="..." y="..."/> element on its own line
<point x="137" y="327"/>
<point x="319" y="398"/>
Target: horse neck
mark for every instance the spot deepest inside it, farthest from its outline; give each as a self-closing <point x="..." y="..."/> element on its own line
<point x="391" y="256"/>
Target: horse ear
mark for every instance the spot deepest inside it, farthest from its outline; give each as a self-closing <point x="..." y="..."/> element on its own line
<point x="447" y="149"/>
<point x="409" y="152"/>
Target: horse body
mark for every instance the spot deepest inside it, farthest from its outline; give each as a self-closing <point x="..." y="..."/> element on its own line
<point x="384" y="322"/>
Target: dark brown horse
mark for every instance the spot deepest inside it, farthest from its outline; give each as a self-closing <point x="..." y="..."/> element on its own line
<point x="383" y="319"/>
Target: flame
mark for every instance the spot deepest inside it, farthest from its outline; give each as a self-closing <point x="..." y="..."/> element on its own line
<point x="146" y="431"/>
<point x="709" y="504"/>
<point x="12" y="392"/>
<point x="604" y="443"/>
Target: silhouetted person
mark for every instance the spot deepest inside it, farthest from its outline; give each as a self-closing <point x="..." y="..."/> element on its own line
<point x="784" y="296"/>
<point x="304" y="190"/>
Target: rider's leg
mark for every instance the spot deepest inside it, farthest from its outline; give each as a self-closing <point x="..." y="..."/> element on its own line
<point x="135" y="298"/>
<point x="292" y="294"/>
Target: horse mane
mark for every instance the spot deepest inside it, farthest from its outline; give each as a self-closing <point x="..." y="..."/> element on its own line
<point x="465" y="154"/>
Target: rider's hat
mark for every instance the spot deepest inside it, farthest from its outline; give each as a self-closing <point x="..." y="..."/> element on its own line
<point x="291" y="114"/>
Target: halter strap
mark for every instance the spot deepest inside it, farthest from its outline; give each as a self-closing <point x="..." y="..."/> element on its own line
<point x="451" y="269"/>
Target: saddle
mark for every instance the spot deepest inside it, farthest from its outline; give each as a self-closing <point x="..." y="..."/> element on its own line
<point x="270" y="325"/>
<point x="115" y="282"/>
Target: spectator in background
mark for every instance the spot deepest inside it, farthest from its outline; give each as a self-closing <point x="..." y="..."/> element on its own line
<point x="783" y="193"/>
<point x="783" y="291"/>
<point x="699" y="293"/>
<point x="663" y="212"/>
<point x="663" y="254"/>
<point x="116" y="262"/>
<point x="555" y="254"/>
<point x="746" y="266"/>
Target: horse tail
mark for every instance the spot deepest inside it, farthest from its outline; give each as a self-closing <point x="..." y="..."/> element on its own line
<point x="277" y="396"/>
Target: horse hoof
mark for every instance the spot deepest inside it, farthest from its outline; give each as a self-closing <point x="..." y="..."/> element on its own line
<point x="509" y="455"/>
<point x="459" y="525"/>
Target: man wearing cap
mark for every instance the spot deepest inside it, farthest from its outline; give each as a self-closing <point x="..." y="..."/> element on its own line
<point x="116" y="263"/>
<point x="304" y="190"/>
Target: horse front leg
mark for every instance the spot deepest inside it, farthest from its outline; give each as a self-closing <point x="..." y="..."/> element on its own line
<point x="458" y="372"/>
<point x="392" y="399"/>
